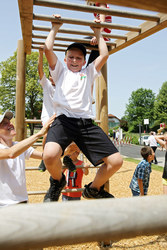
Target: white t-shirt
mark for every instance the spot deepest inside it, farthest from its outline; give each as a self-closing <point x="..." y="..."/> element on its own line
<point x="73" y="91"/>
<point x="12" y="178"/>
<point x="48" y="105"/>
<point x="152" y="141"/>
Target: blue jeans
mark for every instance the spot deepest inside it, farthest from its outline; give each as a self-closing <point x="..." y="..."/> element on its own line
<point x="134" y="193"/>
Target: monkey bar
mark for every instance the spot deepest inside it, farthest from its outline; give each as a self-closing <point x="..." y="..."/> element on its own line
<point x="130" y="34"/>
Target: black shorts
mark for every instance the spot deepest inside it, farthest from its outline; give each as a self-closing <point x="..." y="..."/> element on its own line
<point x="91" y="139"/>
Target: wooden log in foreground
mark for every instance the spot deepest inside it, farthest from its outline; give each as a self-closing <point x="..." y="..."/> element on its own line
<point x="27" y="226"/>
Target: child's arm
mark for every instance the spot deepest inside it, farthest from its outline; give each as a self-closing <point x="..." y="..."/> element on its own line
<point x="40" y="63"/>
<point x="102" y="18"/>
<point x="140" y="182"/>
<point x="86" y="169"/>
<point x="48" y="48"/>
<point x="103" y="50"/>
<point x="160" y="140"/>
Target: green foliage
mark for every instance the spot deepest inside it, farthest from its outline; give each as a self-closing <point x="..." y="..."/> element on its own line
<point x="110" y="132"/>
<point x="134" y="140"/>
<point x="124" y="125"/>
<point x="8" y="83"/>
<point x="160" y="107"/>
<point x="140" y="107"/>
<point x="33" y="95"/>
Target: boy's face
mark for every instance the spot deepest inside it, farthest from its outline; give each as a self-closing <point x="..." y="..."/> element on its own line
<point x="75" y="60"/>
<point x="151" y="157"/>
<point x="7" y="129"/>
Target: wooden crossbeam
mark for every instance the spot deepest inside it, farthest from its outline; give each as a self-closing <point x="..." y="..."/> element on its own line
<point x="78" y="32"/>
<point x="93" y="9"/>
<point x="27" y="226"/>
<point x="79" y="40"/>
<point x="156" y="5"/>
<point x="147" y="29"/>
<point x="86" y="23"/>
<point x="58" y="45"/>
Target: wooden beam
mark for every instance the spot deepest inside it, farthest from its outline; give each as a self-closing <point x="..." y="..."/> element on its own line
<point x="20" y="92"/>
<point x="147" y="29"/>
<point x="29" y="226"/>
<point x="78" y="32"/>
<point x="156" y="5"/>
<point x="94" y="9"/>
<point x="26" y="17"/>
<point x="69" y="39"/>
<point x="60" y="45"/>
<point x="86" y="23"/>
<point x="54" y="49"/>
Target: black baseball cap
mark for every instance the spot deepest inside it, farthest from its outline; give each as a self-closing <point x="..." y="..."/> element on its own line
<point x="78" y="46"/>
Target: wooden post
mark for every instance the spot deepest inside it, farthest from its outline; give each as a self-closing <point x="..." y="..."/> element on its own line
<point x="103" y="106"/>
<point x="20" y="91"/>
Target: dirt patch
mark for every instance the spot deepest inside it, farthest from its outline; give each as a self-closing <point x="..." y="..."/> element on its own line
<point x="119" y="187"/>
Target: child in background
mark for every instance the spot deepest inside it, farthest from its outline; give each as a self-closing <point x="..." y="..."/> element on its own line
<point x="102" y="18"/>
<point x="74" y="178"/>
<point x="140" y="180"/>
<point x="48" y="86"/>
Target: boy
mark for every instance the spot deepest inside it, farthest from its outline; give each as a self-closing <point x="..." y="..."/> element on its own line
<point x="12" y="161"/>
<point x="48" y="86"/>
<point x="140" y="180"/>
<point x="74" y="178"/>
<point x="73" y="106"/>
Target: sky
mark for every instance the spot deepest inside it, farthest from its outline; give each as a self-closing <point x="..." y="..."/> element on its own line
<point x="141" y="65"/>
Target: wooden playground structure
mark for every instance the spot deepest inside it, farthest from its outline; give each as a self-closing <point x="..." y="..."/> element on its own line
<point x="151" y="24"/>
<point x="111" y="222"/>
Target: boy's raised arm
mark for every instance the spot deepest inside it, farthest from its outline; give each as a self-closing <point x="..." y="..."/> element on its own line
<point x="49" y="43"/>
<point x="40" y="63"/>
<point x="103" y="50"/>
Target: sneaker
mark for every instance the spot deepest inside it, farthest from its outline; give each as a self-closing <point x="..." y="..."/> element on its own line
<point x="55" y="189"/>
<point x="69" y="164"/>
<point x="93" y="193"/>
<point x="42" y="167"/>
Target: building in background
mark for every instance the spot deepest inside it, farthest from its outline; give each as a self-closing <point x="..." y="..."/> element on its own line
<point x="113" y="121"/>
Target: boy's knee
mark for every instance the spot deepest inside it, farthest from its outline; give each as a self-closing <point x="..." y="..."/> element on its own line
<point x="115" y="161"/>
<point x="48" y="159"/>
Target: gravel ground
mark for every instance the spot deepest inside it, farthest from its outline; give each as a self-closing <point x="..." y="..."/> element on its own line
<point x="119" y="187"/>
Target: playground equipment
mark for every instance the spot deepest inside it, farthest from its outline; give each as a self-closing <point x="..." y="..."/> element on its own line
<point x="152" y="24"/>
<point x="63" y="223"/>
<point x="42" y="225"/>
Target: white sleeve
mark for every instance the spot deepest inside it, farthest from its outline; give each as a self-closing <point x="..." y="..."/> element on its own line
<point x="57" y="71"/>
<point x="43" y="80"/>
<point x="28" y="152"/>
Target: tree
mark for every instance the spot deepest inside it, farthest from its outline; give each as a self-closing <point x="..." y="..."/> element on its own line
<point x="33" y="95"/>
<point x="160" y="107"/>
<point x="140" y="107"/>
